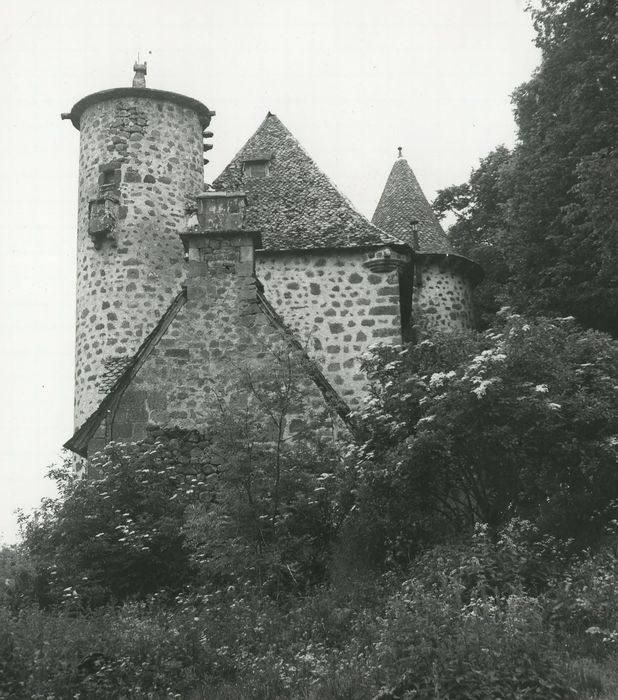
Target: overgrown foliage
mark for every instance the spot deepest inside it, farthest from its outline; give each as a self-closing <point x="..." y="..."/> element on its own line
<point x="465" y="549"/>
<point x="462" y="622"/>
<point x="542" y="218"/>
<point x="255" y="500"/>
<point x="519" y="421"/>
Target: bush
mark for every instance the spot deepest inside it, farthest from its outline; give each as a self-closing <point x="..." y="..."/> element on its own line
<point x="436" y="645"/>
<point x="177" y="510"/>
<point x="112" y="653"/>
<point x="118" y="535"/>
<point x="519" y="421"/>
<point x="582" y="603"/>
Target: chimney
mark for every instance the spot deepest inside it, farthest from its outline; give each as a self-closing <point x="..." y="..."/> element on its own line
<point x="220" y="251"/>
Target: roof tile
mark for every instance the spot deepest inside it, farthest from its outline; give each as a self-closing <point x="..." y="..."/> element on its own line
<point x="402" y="202"/>
<point x="294" y="206"/>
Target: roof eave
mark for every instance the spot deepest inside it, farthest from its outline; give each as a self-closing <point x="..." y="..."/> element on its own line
<point x="471" y="269"/>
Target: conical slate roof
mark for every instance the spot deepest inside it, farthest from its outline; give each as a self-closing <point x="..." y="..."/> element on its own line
<point x="292" y="203"/>
<point x="402" y="202"/>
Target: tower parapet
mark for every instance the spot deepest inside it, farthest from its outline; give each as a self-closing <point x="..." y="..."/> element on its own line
<point x="141" y="157"/>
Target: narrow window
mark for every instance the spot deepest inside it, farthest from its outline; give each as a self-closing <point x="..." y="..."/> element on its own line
<point x="109" y="175"/>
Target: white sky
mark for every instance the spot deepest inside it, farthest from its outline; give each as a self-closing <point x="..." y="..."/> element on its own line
<point x="352" y="80"/>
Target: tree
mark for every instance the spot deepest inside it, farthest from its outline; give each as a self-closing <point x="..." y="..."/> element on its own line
<point x="543" y="219"/>
<point x="274" y="509"/>
<point x="119" y="535"/>
<point x="519" y="421"/>
<point x="562" y="240"/>
<point x="479" y="206"/>
<point x="251" y="499"/>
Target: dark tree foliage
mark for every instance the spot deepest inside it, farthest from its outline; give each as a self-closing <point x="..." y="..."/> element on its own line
<point x="563" y="242"/>
<point x="114" y="537"/>
<point x="480" y="211"/>
<point x="182" y="509"/>
<point x="519" y="421"/>
<point x="549" y="211"/>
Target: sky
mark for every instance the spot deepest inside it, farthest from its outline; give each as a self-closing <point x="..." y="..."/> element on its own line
<point x="351" y="79"/>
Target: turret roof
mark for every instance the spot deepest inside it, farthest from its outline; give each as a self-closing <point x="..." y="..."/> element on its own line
<point x="295" y="205"/>
<point x="402" y="202"/>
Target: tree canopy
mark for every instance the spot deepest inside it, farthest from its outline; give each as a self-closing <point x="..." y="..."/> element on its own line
<point x="543" y="218"/>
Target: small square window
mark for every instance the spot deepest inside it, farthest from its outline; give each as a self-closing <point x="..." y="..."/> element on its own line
<point x="108" y="177"/>
<point x="109" y="174"/>
<point x="256" y="169"/>
<point x="256" y="164"/>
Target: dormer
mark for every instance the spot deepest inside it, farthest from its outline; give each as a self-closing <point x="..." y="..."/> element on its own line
<point x="256" y="165"/>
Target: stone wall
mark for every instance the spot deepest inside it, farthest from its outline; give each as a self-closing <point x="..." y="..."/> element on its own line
<point x="442" y="297"/>
<point x="221" y="352"/>
<point x="337" y="306"/>
<point x="139" y="159"/>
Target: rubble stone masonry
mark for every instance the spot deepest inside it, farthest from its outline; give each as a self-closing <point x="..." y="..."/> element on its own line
<point x="337" y="306"/>
<point x="139" y="159"/>
<point x="221" y="342"/>
<point x="442" y="298"/>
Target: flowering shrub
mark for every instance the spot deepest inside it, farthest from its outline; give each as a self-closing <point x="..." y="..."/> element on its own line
<point x="519" y="421"/>
<point x="118" y="535"/>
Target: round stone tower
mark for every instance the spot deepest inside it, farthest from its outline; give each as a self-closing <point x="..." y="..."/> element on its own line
<point x="141" y="157"/>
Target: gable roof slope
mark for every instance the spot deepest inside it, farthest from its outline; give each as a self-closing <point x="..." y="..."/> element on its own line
<point x="295" y="205"/>
<point x="78" y="442"/>
<point x="402" y="202"/>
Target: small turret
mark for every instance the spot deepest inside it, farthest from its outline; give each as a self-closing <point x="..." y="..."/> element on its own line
<point x="437" y="295"/>
<point x="403" y="202"/>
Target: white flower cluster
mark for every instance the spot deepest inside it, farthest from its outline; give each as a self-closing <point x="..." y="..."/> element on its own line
<point x="482" y="384"/>
<point x="437" y="379"/>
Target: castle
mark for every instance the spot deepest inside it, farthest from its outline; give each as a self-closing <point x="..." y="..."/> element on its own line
<point x="178" y="282"/>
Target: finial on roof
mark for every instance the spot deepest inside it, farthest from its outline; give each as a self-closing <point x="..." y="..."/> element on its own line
<point x="139" y="79"/>
<point x="399" y="149"/>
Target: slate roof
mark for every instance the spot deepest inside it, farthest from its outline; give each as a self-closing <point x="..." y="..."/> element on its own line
<point x="295" y="206"/>
<point x="403" y="201"/>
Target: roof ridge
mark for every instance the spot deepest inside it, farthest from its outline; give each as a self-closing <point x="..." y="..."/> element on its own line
<point x="78" y="442"/>
<point x="328" y="178"/>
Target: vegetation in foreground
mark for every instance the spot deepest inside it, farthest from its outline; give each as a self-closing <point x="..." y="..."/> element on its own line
<point x="465" y="622"/>
<point x="466" y="548"/>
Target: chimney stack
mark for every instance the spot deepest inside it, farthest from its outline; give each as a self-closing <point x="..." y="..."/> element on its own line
<point x="218" y="247"/>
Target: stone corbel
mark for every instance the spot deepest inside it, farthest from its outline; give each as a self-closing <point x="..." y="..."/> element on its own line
<point x="102" y="219"/>
<point x="385" y="259"/>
